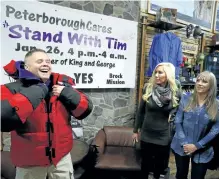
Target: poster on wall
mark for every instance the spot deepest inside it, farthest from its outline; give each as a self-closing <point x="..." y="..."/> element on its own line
<point x="97" y="51"/>
<point x="195" y="12"/>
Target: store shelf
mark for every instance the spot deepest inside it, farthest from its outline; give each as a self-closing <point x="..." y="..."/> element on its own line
<point x="165" y="25"/>
<point x="187" y="84"/>
<point x="216" y="47"/>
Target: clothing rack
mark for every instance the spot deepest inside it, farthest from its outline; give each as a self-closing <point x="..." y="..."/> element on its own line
<point x="148" y="21"/>
<point x="213" y="47"/>
<point x="187" y="88"/>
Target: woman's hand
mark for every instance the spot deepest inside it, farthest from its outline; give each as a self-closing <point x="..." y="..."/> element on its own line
<point x="135" y="137"/>
<point x="189" y="148"/>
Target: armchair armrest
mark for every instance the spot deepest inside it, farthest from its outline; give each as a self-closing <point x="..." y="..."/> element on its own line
<point x="100" y="141"/>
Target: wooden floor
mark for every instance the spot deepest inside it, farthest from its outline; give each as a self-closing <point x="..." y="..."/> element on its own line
<point x="210" y="174"/>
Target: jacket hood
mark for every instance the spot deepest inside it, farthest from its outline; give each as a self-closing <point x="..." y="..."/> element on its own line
<point x="15" y="69"/>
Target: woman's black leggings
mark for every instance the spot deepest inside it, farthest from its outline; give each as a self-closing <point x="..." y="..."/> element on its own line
<point x="198" y="170"/>
<point x="155" y="159"/>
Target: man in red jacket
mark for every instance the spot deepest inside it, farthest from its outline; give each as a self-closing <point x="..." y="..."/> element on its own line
<point x="37" y="110"/>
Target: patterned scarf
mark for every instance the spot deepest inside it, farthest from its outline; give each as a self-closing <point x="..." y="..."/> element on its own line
<point x="162" y="95"/>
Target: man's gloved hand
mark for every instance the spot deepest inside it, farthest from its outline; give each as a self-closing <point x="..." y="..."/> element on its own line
<point x="35" y="93"/>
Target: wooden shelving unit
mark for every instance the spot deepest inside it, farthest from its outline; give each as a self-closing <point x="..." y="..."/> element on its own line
<point x="165" y="26"/>
<point x="213" y="47"/>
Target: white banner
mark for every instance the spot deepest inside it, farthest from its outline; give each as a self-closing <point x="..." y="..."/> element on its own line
<point x="97" y="51"/>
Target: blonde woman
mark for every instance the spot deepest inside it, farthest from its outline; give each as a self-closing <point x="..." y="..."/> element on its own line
<point x="195" y="113"/>
<point x="160" y="98"/>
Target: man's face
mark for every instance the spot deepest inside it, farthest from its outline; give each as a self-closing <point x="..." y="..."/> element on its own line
<point x="40" y="65"/>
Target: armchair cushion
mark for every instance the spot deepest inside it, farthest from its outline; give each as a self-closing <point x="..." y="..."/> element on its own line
<point x="118" y="158"/>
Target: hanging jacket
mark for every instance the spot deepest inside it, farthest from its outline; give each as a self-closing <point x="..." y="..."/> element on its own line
<point x="211" y="63"/>
<point x="39" y="122"/>
<point x="165" y="47"/>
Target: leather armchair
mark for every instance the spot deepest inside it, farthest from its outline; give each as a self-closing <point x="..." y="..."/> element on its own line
<point x="116" y="150"/>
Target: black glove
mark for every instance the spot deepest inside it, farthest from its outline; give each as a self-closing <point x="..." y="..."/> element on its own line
<point x="35" y="93"/>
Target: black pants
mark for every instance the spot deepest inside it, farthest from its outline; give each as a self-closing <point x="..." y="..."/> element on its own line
<point x="155" y="159"/>
<point x="198" y="170"/>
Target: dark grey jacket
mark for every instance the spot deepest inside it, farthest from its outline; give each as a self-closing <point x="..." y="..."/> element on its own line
<point x="152" y="120"/>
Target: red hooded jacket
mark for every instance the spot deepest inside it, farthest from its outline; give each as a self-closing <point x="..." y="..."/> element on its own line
<point x="45" y="134"/>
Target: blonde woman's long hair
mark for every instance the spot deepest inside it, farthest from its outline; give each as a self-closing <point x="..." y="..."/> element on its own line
<point x="211" y="102"/>
<point x="169" y="69"/>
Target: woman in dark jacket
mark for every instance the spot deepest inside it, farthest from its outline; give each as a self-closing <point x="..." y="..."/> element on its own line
<point x="160" y="99"/>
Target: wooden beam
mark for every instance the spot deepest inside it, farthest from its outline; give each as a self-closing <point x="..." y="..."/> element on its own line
<point x="142" y="61"/>
<point x="1" y="144"/>
<point x="202" y="48"/>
